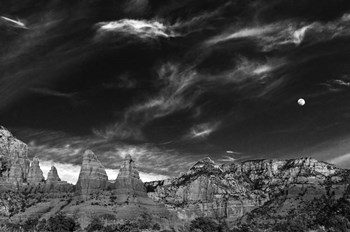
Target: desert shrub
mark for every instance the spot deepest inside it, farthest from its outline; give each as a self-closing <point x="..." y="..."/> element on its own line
<point x="41" y="225"/>
<point x="144" y="221"/>
<point x="11" y="227"/>
<point x="156" y="227"/>
<point x="61" y="223"/>
<point x="95" y="225"/>
<point x="205" y="224"/>
<point x="128" y="226"/>
<point x="30" y="224"/>
<point x="109" y="217"/>
<point x="109" y="229"/>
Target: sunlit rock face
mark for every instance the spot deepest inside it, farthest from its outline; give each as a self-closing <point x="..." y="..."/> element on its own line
<point x="14" y="161"/>
<point x="93" y="176"/>
<point x="231" y="190"/>
<point x="35" y="175"/>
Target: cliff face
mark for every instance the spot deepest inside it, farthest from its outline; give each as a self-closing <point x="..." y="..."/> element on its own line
<point x="14" y="162"/>
<point x="209" y="189"/>
<point x="93" y="176"/>
<point x="128" y="181"/>
<point x="35" y="175"/>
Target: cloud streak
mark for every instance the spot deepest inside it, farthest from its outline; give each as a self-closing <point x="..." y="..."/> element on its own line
<point x="143" y="29"/>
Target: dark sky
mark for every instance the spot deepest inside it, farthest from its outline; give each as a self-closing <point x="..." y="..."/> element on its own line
<point x="173" y="81"/>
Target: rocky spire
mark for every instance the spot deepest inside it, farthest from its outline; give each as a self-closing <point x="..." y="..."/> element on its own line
<point x="93" y="176"/>
<point x="52" y="176"/>
<point x="128" y="169"/>
<point x="35" y="174"/>
<point x="128" y="182"/>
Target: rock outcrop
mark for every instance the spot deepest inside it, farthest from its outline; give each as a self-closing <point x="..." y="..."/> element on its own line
<point x="55" y="186"/>
<point x="128" y="181"/>
<point x="52" y="176"/>
<point x="35" y="175"/>
<point x="14" y="162"/>
<point x="92" y="177"/>
<point x="16" y="174"/>
<point x="231" y="190"/>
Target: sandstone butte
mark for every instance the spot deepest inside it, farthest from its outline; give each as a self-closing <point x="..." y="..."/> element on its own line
<point x="228" y="191"/>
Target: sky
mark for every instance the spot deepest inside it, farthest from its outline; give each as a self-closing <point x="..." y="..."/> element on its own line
<point x="174" y="81"/>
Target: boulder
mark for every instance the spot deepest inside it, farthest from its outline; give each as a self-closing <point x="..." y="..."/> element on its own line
<point x="35" y="175"/>
<point x="92" y="177"/>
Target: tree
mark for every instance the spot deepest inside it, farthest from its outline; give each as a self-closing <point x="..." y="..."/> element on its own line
<point x="30" y="224"/>
<point x="205" y="224"/>
<point x="156" y="227"/>
<point x="95" y="225"/>
<point x="61" y="223"/>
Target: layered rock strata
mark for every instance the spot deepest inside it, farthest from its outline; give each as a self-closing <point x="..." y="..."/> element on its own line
<point x="128" y="181"/>
<point x="35" y="175"/>
<point x="55" y="185"/>
<point x="231" y="190"/>
<point x="52" y="176"/>
<point x="92" y="177"/>
<point x="14" y="162"/>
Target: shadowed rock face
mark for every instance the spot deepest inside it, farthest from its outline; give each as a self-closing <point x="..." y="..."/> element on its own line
<point x="93" y="176"/>
<point x="35" y="175"/>
<point x="128" y="182"/>
<point x="210" y="189"/>
<point x="14" y="162"/>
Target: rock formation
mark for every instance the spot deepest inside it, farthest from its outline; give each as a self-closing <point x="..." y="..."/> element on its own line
<point x="35" y="175"/>
<point x="16" y="174"/>
<point x="128" y="181"/>
<point x="52" y="176"/>
<point x="92" y="177"/>
<point x="55" y="186"/>
<point x="231" y="190"/>
<point x="13" y="158"/>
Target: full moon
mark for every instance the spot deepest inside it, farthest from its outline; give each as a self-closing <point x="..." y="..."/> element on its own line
<point x="301" y="101"/>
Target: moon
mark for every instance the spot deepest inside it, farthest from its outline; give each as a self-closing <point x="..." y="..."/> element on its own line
<point x="301" y="102"/>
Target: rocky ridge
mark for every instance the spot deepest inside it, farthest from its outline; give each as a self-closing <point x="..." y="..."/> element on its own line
<point x="232" y="190"/>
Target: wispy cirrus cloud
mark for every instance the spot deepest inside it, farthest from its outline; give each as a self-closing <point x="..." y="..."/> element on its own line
<point x="276" y="35"/>
<point x="15" y="23"/>
<point x="180" y="88"/>
<point x="145" y="29"/>
<point x="341" y="161"/>
<point x="202" y="131"/>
